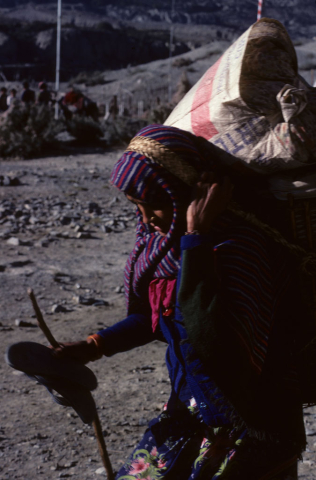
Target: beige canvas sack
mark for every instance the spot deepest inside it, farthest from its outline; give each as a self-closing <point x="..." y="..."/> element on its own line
<point x="253" y="104"/>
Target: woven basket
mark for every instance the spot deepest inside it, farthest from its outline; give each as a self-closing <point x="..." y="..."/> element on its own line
<point x="302" y="219"/>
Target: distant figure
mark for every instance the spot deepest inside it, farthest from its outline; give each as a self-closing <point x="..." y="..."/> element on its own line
<point x="28" y="95"/>
<point x="183" y="86"/>
<point x="3" y="100"/>
<point x="12" y="98"/>
<point x="76" y="102"/>
<point x="72" y="103"/>
<point x="113" y="107"/>
<point x="73" y="98"/>
<point x="44" y="97"/>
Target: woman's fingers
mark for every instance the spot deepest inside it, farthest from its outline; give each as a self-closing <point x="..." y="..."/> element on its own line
<point x="58" y="351"/>
<point x="211" y="197"/>
<point x="79" y="351"/>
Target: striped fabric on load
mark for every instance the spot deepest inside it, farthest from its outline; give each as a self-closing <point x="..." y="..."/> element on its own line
<point x="252" y="288"/>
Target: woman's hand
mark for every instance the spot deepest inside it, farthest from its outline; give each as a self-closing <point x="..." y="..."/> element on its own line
<point x="82" y="352"/>
<point x="211" y="199"/>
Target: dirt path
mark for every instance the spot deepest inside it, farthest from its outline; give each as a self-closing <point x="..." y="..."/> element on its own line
<point x="65" y="232"/>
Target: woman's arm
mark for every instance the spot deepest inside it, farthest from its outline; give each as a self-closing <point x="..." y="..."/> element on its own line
<point x="133" y="331"/>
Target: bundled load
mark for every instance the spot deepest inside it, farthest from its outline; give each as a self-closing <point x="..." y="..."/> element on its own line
<point x="255" y="107"/>
<point x="253" y="104"/>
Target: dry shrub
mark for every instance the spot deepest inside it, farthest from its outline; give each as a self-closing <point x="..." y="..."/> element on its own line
<point x="160" y="113"/>
<point x="84" y="128"/>
<point x="25" y="130"/>
<point x="122" y="129"/>
<point x="182" y="62"/>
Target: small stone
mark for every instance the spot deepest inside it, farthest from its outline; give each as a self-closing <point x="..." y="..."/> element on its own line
<point x="94" y="208"/>
<point x="13" y="241"/>
<point x="42" y="243"/>
<point x="114" y="200"/>
<point x="100" y="303"/>
<point x="14" y="182"/>
<point x="81" y="300"/>
<point x="100" y="471"/>
<point x="110" y="223"/>
<point x="142" y="422"/>
<point x="6" y="234"/>
<point x="83" y="235"/>
<point x="5" y="181"/>
<point x="63" y="234"/>
<point x="19" y="264"/>
<point x="65" y="220"/>
<point x="105" y="229"/>
<point x="24" y="219"/>
<point x="57" y="308"/>
<point x="22" y="323"/>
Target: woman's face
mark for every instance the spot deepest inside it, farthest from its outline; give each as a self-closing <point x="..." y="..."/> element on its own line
<point x="158" y="216"/>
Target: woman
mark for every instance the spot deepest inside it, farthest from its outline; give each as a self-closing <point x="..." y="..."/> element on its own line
<point x="221" y="294"/>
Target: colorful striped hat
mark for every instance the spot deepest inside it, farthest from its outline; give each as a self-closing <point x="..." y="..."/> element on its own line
<point x="161" y="164"/>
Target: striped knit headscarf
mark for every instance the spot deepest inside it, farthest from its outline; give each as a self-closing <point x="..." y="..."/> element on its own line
<point x="143" y="178"/>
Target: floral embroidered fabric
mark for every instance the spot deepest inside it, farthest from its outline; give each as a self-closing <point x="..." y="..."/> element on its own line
<point x="178" y="445"/>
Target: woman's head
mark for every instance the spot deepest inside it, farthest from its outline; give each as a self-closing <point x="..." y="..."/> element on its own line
<point x="157" y="172"/>
<point x="157" y="215"/>
<point x="158" y="169"/>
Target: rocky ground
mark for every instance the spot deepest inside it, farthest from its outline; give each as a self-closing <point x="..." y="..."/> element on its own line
<point x="65" y="232"/>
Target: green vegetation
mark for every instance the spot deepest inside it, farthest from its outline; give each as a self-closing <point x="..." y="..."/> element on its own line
<point x="26" y="130"/>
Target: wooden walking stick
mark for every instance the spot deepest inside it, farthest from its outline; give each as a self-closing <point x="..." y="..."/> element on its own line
<point x="96" y="422"/>
<point x="41" y="321"/>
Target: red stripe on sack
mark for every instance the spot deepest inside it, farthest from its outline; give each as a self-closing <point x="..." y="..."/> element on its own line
<point x="200" y="114"/>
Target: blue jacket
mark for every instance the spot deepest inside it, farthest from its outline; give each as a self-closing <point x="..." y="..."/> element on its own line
<point x="188" y="379"/>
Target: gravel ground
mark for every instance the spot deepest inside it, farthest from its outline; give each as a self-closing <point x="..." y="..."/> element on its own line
<point x="65" y="232"/>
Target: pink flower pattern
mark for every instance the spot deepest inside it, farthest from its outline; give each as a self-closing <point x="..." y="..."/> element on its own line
<point x="204" y="442"/>
<point x="215" y="448"/>
<point x="161" y="464"/>
<point x="139" y="466"/>
<point x="154" y="452"/>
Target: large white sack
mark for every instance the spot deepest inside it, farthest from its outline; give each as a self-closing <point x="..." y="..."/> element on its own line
<point x="253" y="104"/>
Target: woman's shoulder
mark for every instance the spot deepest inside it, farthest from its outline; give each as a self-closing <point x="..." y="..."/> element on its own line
<point x="233" y="231"/>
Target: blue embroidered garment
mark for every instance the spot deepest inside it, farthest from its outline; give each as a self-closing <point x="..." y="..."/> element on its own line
<point x="187" y="380"/>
